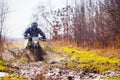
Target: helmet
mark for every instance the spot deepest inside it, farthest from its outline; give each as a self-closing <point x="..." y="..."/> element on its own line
<point x="34" y="25"/>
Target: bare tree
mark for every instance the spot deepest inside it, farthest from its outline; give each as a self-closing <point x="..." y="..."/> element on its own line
<point x="3" y="12"/>
<point x="89" y="23"/>
<point x="112" y="8"/>
<point x="45" y="13"/>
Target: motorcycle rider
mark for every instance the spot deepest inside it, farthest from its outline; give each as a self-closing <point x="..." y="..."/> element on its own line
<point x="33" y="31"/>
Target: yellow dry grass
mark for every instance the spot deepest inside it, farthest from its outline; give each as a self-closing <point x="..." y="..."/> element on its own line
<point x="15" y="44"/>
<point x="98" y="60"/>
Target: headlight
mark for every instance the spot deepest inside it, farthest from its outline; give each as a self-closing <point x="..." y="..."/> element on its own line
<point x="35" y="42"/>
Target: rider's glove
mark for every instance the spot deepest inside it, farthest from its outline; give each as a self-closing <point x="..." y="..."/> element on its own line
<point x="44" y="38"/>
<point x="25" y="35"/>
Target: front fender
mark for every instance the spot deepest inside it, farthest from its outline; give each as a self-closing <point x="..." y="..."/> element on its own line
<point x="35" y="45"/>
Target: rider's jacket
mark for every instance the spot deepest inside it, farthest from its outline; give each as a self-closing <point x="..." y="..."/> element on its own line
<point x="34" y="33"/>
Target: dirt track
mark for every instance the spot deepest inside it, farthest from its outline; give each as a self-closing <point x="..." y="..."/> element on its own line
<point x="51" y="68"/>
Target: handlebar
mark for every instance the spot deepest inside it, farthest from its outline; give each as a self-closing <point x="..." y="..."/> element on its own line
<point x="40" y="38"/>
<point x="26" y="37"/>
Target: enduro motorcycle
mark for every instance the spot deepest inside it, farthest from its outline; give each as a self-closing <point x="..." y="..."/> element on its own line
<point x="35" y="49"/>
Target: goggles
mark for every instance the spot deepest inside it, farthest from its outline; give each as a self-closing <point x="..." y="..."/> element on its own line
<point x="34" y="27"/>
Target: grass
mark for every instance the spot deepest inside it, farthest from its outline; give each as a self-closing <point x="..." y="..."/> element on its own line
<point x="12" y="78"/>
<point x="93" y="60"/>
<point x="3" y="67"/>
<point x="115" y="78"/>
<point x="86" y="56"/>
<point x="90" y="60"/>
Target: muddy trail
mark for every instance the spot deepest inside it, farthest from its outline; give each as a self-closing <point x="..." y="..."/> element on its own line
<point x="51" y="68"/>
<point x="16" y="55"/>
